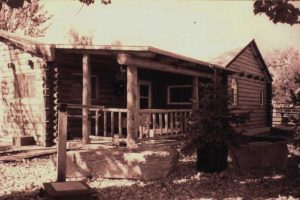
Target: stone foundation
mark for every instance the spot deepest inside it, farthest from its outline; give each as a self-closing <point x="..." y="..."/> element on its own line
<point x="261" y="155"/>
<point x="141" y="163"/>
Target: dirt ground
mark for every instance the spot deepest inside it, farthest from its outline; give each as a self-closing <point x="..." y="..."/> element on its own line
<point x="23" y="180"/>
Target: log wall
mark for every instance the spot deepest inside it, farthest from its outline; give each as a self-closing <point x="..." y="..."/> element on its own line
<point x="104" y="70"/>
<point x="22" y="94"/>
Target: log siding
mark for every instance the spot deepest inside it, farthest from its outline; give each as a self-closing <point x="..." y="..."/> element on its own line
<point x="22" y="115"/>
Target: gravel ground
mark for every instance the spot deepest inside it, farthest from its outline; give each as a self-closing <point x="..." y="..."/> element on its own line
<point x="22" y="180"/>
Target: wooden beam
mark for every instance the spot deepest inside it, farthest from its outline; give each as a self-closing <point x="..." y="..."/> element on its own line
<point x="108" y="53"/>
<point x="61" y="146"/>
<point x="195" y="103"/>
<point x="124" y="59"/>
<point x="97" y="123"/>
<point x="86" y="98"/>
<point x="132" y="109"/>
<point x="104" y="123"/>
<point x="185" y="64"/>
<point x="120" y="124"/>
<point x="42" y="50"/>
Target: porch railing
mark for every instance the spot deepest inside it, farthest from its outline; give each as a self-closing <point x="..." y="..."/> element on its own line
<point x="152" y="122"/>
<point x="121" y="114"/>
<point x="157" y="122"/>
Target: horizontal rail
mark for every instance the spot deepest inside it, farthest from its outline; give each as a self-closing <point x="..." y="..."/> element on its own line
<point x="164" y="110"/>
<point x="79" y="106"/>
<point x="123" y="110"/>
<point x="80" y="116"/>
<point x="153" y="123"/>
<point x="281" y="113"/>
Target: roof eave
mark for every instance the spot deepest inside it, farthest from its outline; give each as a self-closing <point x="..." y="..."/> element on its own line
<point x="42" y="50"/>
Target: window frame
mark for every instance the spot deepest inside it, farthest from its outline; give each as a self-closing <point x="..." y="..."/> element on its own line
<point x="262" y="97"/>
<point x="96" y="86"/>
<point x="169" y="87"/>
<point x="149" y="84"/>
<point x="234" y="92"/>
<point x="26" y="75"/>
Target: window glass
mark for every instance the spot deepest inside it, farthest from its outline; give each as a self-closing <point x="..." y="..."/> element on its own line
<point x="145" y="94"/>
<point x="261" y="97"/>
<point x="144" y="90"/>
<point x="179" y="94"/>
<point x="144" y="103"/>
<point x="234" y="92"/>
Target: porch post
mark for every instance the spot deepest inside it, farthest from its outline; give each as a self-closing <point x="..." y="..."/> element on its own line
<point x="195" y="87"/>
<point x="132" y="109"/>
<point x="86" y="98"/>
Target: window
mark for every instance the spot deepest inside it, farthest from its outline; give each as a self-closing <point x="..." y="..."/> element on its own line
<point x="261" y="96"/>
<point x="145" y="94"/>
<point x="24" y="85"/>
<point x="77" y="86"/>
<point x="234" y="92"/>
<point x="179" y="94"/>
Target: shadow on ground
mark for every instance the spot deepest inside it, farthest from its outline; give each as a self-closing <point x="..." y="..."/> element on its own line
<point x="22" y="195"/>
<point x="186" y="183"/>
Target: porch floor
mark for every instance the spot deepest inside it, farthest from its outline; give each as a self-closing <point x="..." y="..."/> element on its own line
<point x="25" y="152"/>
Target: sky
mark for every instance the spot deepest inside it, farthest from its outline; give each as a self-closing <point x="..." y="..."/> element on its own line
<point x="194" y="28"/>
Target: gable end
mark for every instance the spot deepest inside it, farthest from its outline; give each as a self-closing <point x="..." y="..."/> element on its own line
<point x="249" y="60"/>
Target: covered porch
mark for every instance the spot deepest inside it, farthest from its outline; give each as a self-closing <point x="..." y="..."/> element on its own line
<point x="136" y="93"/>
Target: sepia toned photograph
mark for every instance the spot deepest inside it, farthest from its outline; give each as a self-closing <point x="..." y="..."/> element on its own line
<point x="145" y="99"/>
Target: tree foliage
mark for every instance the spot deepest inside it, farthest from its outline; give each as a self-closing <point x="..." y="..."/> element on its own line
<point x="30" y="19"/>
<point x="76" y="37"/>
<point x="214" y="120"/>
<point x="281" y="11"/>
<point x="13" y="3"/>
<point x="295" y="94"/>
<point x="89" y="2"/>
<point x="284" y="66"/>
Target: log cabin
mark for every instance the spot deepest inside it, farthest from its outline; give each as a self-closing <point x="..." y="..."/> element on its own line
<point x="134" y="92"/>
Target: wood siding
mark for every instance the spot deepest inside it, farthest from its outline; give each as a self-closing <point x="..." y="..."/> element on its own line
<point x="21" y="116"/>
<point x="249" y="89"/>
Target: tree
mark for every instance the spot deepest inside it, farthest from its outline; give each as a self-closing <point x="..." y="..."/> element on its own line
<point x="88" y="2"/>
<point x="13" y="3"/>
<point x="295" y="94"/>
<point x="29" y="19"/>
<point x="20" y="3"/>
<point x="284" y="66"/>
<point x="281" y="11"/>
<point x="278" y="11"/>
<point x="75" y="37"/>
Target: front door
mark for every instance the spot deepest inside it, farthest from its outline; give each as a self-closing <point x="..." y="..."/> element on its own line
<point x="145" y="94"/>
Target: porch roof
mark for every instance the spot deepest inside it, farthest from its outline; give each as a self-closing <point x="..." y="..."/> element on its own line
<point x="47" y="51"/>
